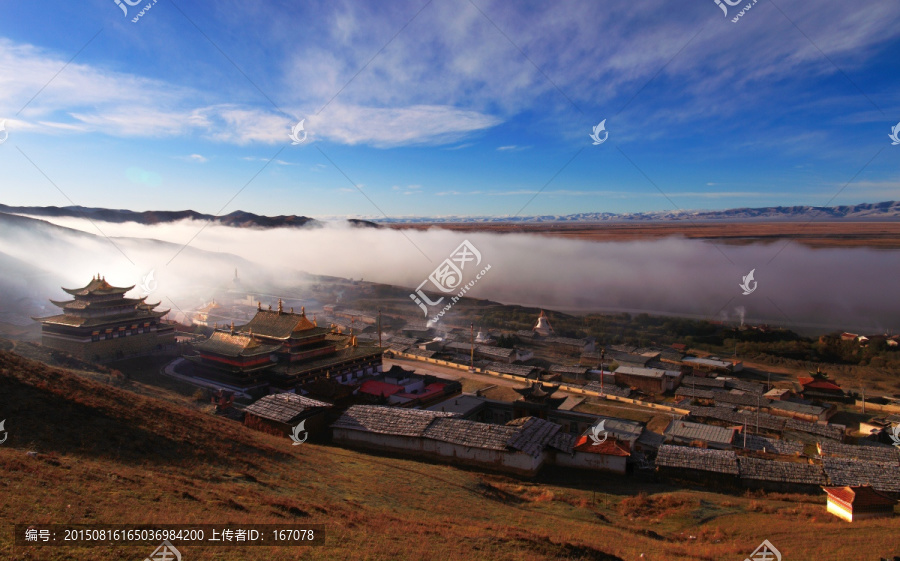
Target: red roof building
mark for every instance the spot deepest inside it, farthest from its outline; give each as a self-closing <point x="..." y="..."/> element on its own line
<point x="820" y="386"/>
<point x="380" y="389"/>
<point x="858" y="502"/>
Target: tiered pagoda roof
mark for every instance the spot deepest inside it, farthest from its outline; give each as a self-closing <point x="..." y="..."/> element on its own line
<point x="100" y="303"/>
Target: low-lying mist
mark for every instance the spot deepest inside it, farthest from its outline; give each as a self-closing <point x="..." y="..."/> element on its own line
<point x="803" y="288"/>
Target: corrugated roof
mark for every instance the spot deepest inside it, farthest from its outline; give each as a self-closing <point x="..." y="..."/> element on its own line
<point x="688" y="391"/>
<point x="870" y="453"/>
<point x="784" y="472"/>
<point x="745" y="385"/>
<point x="794" y="407"/>
<point x="470" y="433"/>
<point x="771" y="445"/>
<point x="640" y="371"/>
<point x="844" y="471"/>
<point x="691" y="381"/>
<point x="283" y="407"/>
<point x="835" y="432"/>
<point x="533" y="436"/>
<point x="387" y="420"/>
<point x="683" y="457"/>
<point x="766" y="421"/>
<point x="563" y="442"/>
<point x="699" y="431"/>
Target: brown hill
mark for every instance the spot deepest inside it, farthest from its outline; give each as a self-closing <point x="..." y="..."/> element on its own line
<point x="107" y="455"/>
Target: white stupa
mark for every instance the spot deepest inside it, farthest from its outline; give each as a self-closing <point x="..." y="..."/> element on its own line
<point x="542" y="327"/>
<point x="483" y="337"/>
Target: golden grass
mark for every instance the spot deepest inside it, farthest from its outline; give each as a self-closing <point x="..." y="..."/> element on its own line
<point x="111" y="456"/>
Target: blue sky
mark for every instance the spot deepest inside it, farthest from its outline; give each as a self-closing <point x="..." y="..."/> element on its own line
<point x="448" y="107"/>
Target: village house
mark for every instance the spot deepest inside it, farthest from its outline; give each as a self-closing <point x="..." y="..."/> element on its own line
<point x="802" y="411"/>
<point x="279" y="413"/>
<point x="519" y="447"/>
<point x="697" y="464"/>
<point x="609" y="455"/>
<point x="698" y="434"/>
<point x="647" y="380"/>
<point x="712" y="365"/>
<point x="860" y="502"/>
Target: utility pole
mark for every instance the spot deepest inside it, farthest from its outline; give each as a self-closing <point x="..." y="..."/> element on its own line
<point x="864" y="399"/>
<point x="472" y="357"/>
<point x="745" y="433"/>
<point x="379" y="327"/>
<point x="757" y="413"/>
<point x="602" y="354"/>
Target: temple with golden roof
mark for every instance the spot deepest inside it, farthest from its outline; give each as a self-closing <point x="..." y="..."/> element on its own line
<point x="282" y="348"/>
<point x="100" y="324"/>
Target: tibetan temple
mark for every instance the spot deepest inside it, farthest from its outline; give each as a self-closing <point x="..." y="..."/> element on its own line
<point x="100" y="324"/>
<point x="282" y="349"/>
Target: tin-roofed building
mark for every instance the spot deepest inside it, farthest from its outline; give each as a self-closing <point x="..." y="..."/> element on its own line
<point x="780" y="476"/>
<point x="686" y="432"/>
<point x="518" y="447"/>
<point x="279" y="413"/>
<point x="100" y="324"/>
<point x="697" y="463"/>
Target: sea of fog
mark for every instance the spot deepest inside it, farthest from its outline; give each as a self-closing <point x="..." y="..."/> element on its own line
<point x="810" y="290"/>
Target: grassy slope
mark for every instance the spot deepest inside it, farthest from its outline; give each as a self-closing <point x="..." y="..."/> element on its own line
<point x="112" y="456"/>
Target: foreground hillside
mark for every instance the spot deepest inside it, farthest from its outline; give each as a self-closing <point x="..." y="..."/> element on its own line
<point x="106" y="455"/>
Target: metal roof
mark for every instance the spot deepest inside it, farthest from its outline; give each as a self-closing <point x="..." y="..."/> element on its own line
<point x="640" y="371"/>
<point x="283" y="407"/>
<point x="784" y="472"/>
<point x="871" y="453"/>
<point x="698" y="431"/>
<point x="844" y="471"/>
<point x="771" y="445"/>
<point x="387" y="420"/>
<point x="684" y="457"/>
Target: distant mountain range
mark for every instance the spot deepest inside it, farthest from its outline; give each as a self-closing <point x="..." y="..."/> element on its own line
<point x="237" y="219"/>
<point x="886" y="211"/>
